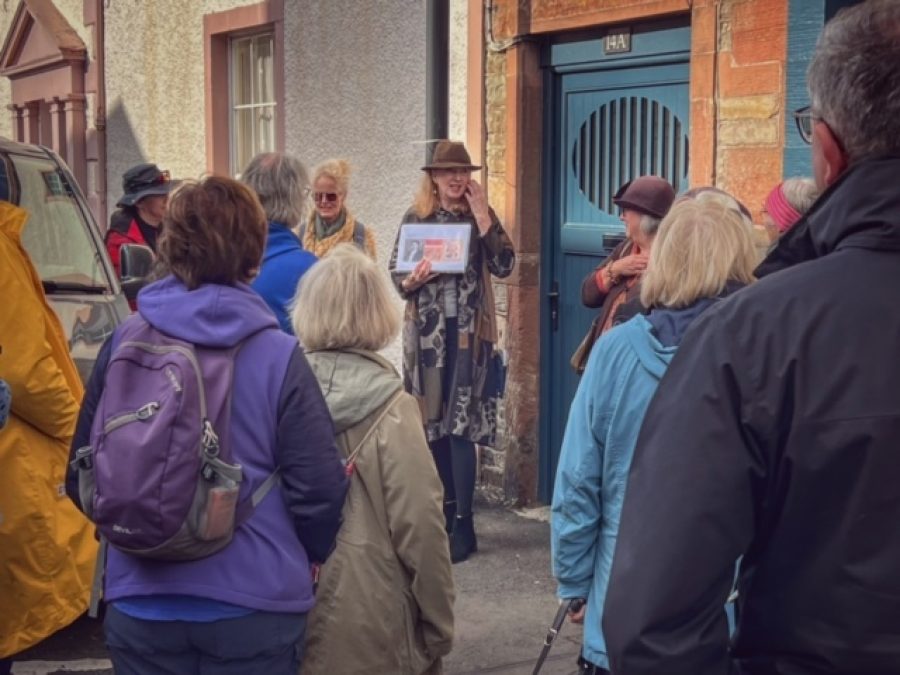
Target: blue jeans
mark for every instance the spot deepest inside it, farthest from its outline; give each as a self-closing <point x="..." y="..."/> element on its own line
<point x="263" y="643"/>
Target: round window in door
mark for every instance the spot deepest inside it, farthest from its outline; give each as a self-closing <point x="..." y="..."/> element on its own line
<point x="625" y="138"/>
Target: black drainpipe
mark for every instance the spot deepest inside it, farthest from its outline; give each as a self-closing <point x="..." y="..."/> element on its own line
<point x="437" y="72"/>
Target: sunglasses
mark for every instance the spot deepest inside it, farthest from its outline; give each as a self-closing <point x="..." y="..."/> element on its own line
<point x="329" y="197"/>
<point x="804" y="118"/>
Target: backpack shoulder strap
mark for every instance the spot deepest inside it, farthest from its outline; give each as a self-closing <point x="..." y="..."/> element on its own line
<point x="359" y="234"/>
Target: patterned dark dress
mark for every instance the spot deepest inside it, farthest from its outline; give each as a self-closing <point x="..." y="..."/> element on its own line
<point x="475" y="383"/>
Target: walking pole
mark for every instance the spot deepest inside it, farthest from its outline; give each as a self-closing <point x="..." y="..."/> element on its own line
<point x="564" y="608"/>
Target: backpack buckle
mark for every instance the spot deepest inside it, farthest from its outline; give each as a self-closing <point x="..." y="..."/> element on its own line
<point x="83" y="459"/>
<point x="208" y="472"/>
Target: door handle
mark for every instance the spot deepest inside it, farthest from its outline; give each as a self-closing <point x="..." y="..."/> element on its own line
<point x="553" y="297"/>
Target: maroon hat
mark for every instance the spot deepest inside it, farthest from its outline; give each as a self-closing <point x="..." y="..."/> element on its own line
<point x="648" y="194"/>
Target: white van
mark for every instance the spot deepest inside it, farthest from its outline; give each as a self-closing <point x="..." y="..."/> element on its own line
<point x="66" y="247"/>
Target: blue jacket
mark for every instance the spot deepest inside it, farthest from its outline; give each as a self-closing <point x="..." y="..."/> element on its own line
<point x="284" y="262"/>
<point x="279" y="419"/>
<point x="622" y="373"/>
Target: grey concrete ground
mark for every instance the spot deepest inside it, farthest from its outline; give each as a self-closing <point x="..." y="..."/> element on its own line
<point x="506" y="599"/>
<point x="505" y="603"/>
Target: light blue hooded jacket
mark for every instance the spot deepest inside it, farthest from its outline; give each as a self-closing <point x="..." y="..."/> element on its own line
<point x="622" y="373"/>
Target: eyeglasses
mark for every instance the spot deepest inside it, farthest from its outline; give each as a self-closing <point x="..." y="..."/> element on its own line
<point x="326" y="197"/>
<point x="804" y="118"/>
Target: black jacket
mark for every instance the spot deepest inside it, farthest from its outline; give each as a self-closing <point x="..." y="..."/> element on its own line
<point x="775" y="435"/>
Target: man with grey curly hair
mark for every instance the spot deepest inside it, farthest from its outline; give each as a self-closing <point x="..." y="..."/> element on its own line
<point x="282" y="185"/>
<point x="774" y="437"/>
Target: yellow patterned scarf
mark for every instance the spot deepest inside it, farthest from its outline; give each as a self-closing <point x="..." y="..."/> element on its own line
<point x="321" y="247"/>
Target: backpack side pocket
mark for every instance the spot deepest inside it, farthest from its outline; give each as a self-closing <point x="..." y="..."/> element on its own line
<point x="87" y="486"/>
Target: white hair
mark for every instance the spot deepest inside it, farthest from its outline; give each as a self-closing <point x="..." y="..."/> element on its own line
<point x="701" y="245"/>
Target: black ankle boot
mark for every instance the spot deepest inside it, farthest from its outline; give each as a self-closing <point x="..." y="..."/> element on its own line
<point x="449" y="515"/>
<point x="462" y="539"/>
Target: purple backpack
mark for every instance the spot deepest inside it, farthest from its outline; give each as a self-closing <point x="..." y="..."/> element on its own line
<point x="158" y="478"/>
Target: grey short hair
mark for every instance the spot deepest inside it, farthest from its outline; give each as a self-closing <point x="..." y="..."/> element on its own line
<point x="649" y="224"/>
<point x="854" y="78"/>
<point x="282" y="185"/>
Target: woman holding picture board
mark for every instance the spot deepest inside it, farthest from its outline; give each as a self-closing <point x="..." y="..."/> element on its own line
<point x="450" y="361"/>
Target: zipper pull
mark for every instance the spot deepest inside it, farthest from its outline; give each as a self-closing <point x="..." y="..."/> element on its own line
<point x="147" y="411"/>
<point x="210" y="440"/>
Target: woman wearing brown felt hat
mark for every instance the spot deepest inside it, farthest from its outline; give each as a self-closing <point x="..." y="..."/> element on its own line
<point x="613" y="286"/>
<point x="450" y="361"/>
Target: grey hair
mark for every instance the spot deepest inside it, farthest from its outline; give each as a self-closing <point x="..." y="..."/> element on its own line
<point x="649" y="224"/>
<point x="282" y="185"/>
<point x="854" y="79"/>
<point x="801" y="193"/>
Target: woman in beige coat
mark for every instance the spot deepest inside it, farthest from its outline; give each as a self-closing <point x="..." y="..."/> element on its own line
<point x="385" y="597"/>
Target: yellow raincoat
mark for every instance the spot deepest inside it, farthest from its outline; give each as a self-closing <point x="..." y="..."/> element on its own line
<point x="47" y="547"/>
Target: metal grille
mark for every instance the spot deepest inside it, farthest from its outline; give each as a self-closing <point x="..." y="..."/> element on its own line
<point x="626" y="138"/>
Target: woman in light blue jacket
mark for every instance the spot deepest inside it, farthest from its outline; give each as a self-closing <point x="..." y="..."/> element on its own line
<point x="703" y="251"/>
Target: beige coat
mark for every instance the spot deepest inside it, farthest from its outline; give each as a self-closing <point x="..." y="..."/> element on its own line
<point x="385" y="597"/>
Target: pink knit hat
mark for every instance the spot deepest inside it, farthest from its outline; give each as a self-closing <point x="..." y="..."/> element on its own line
<point x="779" y="209"/>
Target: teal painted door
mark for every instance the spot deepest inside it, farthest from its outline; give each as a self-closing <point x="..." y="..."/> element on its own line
<point x="610" y="119"/>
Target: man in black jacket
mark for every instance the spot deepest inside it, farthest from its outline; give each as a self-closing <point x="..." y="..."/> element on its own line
<point x="775" y="434"/>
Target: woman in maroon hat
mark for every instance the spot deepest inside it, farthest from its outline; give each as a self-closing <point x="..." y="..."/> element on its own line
<point x="450" y="362"/>
<point x="613" y="285"/>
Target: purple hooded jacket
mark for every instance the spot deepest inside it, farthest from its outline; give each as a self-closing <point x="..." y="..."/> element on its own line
<point x="279" y="419"/>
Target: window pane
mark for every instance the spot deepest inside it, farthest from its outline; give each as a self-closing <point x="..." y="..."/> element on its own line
<point x="265" y="130"/>
<point x="242" y="149"/>
<point x="55" y="235"/>
<point x="265" y="84"/>
<point x="241" y="73"/>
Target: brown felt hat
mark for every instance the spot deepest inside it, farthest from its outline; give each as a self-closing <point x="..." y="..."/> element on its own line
<point x="450" y="155"/>
<point x="648" y="194"/>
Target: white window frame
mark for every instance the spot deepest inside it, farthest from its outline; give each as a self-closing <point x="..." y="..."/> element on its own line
<point x="232" y="107"/>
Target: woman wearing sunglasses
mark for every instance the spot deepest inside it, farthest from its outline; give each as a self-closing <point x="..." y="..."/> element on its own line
<point x="450" y="362"/>
<point x="331" y="223"/>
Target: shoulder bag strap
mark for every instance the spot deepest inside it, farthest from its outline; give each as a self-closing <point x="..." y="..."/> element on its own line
<point x="359" y="234"/>
<point x="351" y="458"/>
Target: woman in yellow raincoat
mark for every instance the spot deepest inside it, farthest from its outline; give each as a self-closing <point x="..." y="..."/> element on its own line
<point x="47" y="547"/>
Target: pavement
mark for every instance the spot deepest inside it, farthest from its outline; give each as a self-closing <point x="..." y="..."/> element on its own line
<point x="504" y="606"/>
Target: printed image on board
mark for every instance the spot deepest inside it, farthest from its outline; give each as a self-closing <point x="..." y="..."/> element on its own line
<point x="445" y="245"/>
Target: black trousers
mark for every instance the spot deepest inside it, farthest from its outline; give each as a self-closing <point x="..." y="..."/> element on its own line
<point x="455" y="456"/>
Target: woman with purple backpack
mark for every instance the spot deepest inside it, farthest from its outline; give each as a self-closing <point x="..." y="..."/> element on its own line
<point x="243" y="608"/>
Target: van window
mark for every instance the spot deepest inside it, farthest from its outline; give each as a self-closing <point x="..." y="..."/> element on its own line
<point x="56" y="233"/>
